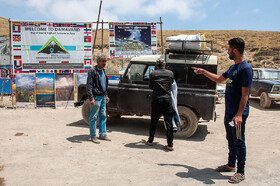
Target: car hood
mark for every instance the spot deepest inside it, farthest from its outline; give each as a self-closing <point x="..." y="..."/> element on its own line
<point x="271" y="82"/>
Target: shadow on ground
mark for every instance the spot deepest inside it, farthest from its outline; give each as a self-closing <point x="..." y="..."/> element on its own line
<point x="2" y="180"/>
<point x="143" y="145"/>
<point x="206" y="175"/>
<point x="136" y="126"/>
<point x="79" y="138"/>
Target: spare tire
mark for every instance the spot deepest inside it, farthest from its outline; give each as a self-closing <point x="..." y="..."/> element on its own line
<point x="85" y="111"/>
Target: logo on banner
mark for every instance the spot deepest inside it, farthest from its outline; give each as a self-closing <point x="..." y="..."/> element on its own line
<point x="53" y="46"/>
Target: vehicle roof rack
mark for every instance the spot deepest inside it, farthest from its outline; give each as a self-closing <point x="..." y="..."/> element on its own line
<point x="184" y="49"/>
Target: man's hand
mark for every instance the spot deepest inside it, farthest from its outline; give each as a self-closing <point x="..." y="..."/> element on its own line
<point x="237" y="120"/>
<point x="92" y="102"/>
<point x="198" y="70"/>
<point x="107" y="99"/>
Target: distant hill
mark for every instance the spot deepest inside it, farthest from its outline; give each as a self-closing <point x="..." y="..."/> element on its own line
<point x="262" y="47"/>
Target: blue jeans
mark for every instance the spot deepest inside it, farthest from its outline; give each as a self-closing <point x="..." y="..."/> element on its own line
<point x="236" y="147"/>
<point x="99" y="109"/>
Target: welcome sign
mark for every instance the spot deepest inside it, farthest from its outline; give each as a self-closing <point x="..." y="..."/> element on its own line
<point x="51" y="47"/>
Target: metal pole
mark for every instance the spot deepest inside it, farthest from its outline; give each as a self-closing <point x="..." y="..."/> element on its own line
<point x="96" y="27"/>
<point x="161" y="36"/>
<point x="102" y="37"/>
<point x="11" y="65"/>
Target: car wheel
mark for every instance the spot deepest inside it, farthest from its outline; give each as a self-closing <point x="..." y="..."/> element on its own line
<point x="85" y="112"/>
<point x="189" y="122"/>
<point x="265" y="101"/>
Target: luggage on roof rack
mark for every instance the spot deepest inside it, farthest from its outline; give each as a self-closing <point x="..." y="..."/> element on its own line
<point x="188" y="44"/>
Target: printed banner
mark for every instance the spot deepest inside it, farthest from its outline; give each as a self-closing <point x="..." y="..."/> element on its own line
<point x="4" y="50"/>
<point x="51" y="47"/>
<point x="64" y="84"/>
<point x="25" y="90"/>
<point x="45" y="90"/>
<point x="132" y="39"/>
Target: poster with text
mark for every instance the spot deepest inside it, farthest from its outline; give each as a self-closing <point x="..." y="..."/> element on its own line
<point x="132" y="39"/>
<point x="25" y="91"/>
<point x="45" y="90"/>
<point x="48" y="47"/>
<point x="64" y="84"/>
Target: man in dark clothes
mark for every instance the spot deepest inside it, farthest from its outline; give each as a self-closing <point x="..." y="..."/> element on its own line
<point x="238" y="83"/>
<point x="161" y="82"/>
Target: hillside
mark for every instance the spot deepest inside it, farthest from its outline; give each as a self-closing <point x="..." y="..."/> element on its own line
<point x="262" y="47"/>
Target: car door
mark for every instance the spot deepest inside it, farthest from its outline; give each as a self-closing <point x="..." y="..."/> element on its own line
<point x="254" y="87"/>
<point x="134" y="90"/>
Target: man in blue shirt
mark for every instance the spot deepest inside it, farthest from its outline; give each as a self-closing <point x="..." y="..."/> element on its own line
<point x="238" y="83"/>
<point x="97" y="83"/>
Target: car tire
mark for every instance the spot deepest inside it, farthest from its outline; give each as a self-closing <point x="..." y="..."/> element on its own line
<point x="189" y="122"/>
<point x="265" y="101"/>
<point x="85" y="112"/>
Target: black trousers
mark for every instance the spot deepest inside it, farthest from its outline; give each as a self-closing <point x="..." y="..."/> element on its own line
<point x="162" y="107"/>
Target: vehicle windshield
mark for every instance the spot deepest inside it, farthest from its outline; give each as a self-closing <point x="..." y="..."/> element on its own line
<point x="270" y="74"/>
<point x="139" y="72"/>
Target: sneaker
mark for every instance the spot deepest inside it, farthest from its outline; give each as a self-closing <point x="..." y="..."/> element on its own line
<point x="95" y="140"/>
<point x="104" y="138"/>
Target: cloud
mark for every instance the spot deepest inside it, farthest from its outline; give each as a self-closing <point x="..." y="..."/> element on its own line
<point x="25" y="81"/>
<point x="44" y="81"/>
<point x="82" y="79"/>
<point x="117" y="10"/>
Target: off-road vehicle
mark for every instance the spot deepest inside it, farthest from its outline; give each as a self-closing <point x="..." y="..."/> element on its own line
<point x="196" y="93"/>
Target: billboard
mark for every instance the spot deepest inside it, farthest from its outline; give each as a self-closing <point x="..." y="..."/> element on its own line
<point x="132" y="39"/>
<point x="51" y="47"/>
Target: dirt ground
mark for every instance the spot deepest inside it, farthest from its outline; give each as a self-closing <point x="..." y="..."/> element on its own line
<point x="51" y="147"/>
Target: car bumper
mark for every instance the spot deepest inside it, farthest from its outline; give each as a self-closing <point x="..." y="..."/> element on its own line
<point x="274" y="96"/>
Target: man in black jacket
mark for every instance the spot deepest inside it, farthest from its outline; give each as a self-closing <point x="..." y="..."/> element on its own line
<point x="97" y="83"/>
<point x="161" y="82"/>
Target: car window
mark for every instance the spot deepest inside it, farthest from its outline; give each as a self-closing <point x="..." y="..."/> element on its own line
<point x="180" y="72"/>
<point x="135" y="72"/>
<point x="148" y="71"/>
<point x="255" y="74"/>
<point x="270" y="74"/>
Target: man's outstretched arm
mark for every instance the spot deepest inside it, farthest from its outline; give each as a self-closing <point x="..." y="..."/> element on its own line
<point x="209" y="75"/>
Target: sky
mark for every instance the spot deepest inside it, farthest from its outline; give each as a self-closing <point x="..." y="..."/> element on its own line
<point x="261" y="15"/>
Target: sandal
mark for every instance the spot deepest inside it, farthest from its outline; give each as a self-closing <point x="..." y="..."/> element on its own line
<point x="168" y="148"/>
<point x="236" y="178"/>
<point x="149" y="143"/>
<point x="225" y="168"/>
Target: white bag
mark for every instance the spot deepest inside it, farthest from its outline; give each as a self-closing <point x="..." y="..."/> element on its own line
<point x="173" y="42"/>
